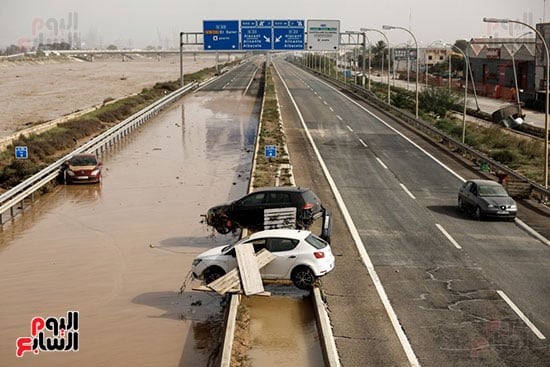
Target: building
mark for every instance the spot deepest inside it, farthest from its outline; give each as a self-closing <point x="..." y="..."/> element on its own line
<point x="502" y="66"/>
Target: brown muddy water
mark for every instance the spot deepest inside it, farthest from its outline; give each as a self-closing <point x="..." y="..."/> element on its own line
<point x="119" y="252"/>
<point x="283" y="332"/>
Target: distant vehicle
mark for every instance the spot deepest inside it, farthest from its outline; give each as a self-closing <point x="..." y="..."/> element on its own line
<point x="300" y="256"/>
<point x="249" y="210"/>
<point x="485" y="198"/>
<point x="82" y="168"/>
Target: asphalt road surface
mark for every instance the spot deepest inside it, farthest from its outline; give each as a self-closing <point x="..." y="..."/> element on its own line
<point x="446" y="276"/>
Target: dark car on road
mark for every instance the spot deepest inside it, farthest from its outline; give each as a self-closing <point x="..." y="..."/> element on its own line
<point x="485" y="198"/>
<point x="248" y="211"/>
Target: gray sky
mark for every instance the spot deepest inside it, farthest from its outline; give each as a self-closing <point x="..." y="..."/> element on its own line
<point x="139" y="23"/>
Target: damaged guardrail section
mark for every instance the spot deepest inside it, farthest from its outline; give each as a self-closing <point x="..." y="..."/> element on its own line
<point x="16" y="196"/>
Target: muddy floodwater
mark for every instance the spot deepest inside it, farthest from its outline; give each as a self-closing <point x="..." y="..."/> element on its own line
<point x="118" y="253"/>
<point x="286" y="340"/>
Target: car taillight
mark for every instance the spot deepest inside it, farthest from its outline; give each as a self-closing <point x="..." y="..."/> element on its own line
<point x="319" y="255"/>
<point x="308" y="206"/>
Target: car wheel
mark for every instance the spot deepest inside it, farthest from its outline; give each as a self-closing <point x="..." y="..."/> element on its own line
<point x="477" y="213"/>
<point x="303" y="277"/>
<point x="212" y="274"/>
<point x="460" y="204"/>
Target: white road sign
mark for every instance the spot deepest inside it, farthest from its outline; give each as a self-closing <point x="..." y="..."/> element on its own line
<point x="323" y="35"/>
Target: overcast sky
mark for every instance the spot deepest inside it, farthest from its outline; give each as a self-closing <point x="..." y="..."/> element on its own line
<point x="139" y="23"/>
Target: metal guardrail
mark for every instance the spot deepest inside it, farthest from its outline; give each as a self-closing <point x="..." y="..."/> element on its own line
<point x="535" y="191"/>
<point x="27" y="188"/>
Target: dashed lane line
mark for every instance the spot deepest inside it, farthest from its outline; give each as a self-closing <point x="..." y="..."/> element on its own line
<point x="449" y="237"/>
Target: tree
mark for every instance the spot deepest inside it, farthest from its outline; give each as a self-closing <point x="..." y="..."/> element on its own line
<point x="378" y="53"/>
<point x="112" y="47"/>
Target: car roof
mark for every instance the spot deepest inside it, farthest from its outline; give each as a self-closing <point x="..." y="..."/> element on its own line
<point x="84" y="155"/>
<point x="282" y="232"/>
<point x="485" y="182"/>
<point x="283" y="188"/>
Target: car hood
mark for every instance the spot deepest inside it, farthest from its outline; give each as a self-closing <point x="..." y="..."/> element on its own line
<point x="499" y="200"/>
<point x="219" y="208"/>
<point x="82" y="168"/>
<point x="211" y="253"/>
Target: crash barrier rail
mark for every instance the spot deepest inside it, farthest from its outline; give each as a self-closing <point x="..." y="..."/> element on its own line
<point x="17" y="195"/>
<point x="529" y="188"/>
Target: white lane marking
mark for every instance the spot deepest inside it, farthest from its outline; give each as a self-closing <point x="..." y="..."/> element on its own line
<point x="521" y="315"/>
<point x="381" y="163"/>
<point x="397" y="132"/>
<point x="449" y="237"/>
<point x="362" y="142"/>
<point x="320" y="97"/>
<point x="413" y="360"/>
<point x="339" y="118"/>
<point x="349" y="128"/>
<point x="407" y="191"/>
<point x="325" y="102"/>
<point x="331" y="109"/>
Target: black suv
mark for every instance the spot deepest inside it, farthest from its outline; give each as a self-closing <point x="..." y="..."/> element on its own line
<point x="248" y="211"/>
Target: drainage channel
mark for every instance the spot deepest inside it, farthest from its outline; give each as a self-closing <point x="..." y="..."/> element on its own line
<point x="287" y="328"/>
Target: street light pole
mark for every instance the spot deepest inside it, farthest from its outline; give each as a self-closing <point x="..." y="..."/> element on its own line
<point x="416" y="44"/>
<point x="466" y="63"/>
<point x="496" y="20"/>
<point x="389" y="62"/>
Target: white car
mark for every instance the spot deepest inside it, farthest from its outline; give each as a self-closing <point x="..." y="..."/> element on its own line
<point x="300" y="256"/>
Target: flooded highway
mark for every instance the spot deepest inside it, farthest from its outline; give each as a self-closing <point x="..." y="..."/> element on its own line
<point x="118" y="253"/>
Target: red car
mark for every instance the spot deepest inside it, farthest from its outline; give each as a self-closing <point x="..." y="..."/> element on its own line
<point x="82" y="168"/>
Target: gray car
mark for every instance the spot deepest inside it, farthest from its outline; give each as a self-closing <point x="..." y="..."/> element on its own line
<point x="485" y="198"/>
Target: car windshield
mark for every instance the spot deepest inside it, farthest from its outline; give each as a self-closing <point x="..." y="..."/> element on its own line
<point x="492" y="190"/>
<point x="83" y="161"/>
<point x="316" y="242"/>
<point x="230" y="247"/>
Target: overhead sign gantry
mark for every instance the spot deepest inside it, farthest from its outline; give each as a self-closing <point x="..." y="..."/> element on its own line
<point x="223" y="35"/>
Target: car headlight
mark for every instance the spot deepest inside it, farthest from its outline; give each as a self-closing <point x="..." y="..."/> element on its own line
<point x="94" y="172"/>
<point x="513" y="207"/>
<point x="70" y="173"/>
<point x="196" y="262"/>
<point x="490" y="206"/>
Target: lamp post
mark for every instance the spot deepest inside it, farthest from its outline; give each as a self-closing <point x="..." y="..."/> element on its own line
<point x="388" y="27"/>
<point x="365" y="39"/>
<point x="389" y="72"/>
<point x="496" y="20"/>
<point x="466" y="63"/>
<point x="515" y="72"/>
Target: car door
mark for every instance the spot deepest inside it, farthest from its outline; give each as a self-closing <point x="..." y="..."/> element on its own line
<point x="249" y="211"/>
<point x="465" y="194"/>
<point x="281" y="266"/>
<point x="473" y="195"/>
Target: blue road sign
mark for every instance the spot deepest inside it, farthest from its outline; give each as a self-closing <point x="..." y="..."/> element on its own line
<point x="256" y="35"/>
<point x="288" y="35"/>
<point x="21" y="152"/>
<point x="221" y="34"/>
<point x="270" y="151"/>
